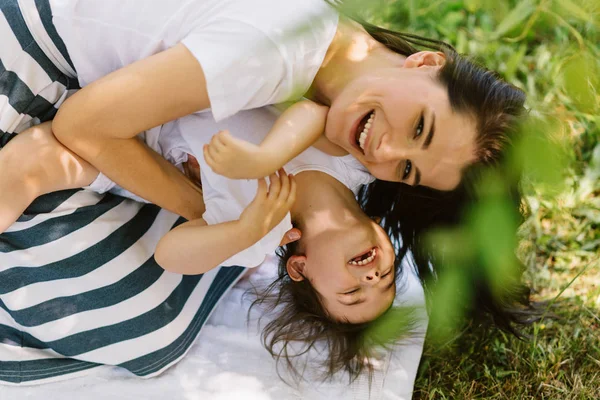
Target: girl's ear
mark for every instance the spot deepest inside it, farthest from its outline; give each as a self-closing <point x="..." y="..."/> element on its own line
<point x="425" y="58"/>
<point x="295" y="267"/>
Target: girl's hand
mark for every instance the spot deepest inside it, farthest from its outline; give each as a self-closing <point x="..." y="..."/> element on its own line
<point x="269" y="206"/>
<point x="237" y="159"/>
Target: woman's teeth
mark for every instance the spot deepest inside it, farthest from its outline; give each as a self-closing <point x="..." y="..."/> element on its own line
<point x="363" y="136"/>
<point x="370" y="257"/>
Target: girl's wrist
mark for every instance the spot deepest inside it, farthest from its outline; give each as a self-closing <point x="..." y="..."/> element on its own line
<point x="247" y="232"/>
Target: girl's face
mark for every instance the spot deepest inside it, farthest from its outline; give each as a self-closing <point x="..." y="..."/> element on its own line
<point x="350" y="263"/>
<point x="399" y="124"/>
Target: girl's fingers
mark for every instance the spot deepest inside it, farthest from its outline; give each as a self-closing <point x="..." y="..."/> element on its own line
<point x="292" y="195"/>
<point x="261" y="192"/>
<point x="274" y="186"/>
<point x="207" y="157"/>
<point x="221" y="137"/>
<point x="285" y="184"/>
<point x="215" y="144"/>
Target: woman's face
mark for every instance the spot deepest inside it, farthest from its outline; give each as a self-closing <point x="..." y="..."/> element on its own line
<point x="350" y="262"/>
<point x="399" y="124"/>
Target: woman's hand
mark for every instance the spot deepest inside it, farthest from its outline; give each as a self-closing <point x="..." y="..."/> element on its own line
<point x="269" y="206"/>
<point x="191" y="169"/>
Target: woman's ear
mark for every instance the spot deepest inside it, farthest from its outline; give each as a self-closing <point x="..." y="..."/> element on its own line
<point x="295" y="267"/>
<point x="425" y="58"/>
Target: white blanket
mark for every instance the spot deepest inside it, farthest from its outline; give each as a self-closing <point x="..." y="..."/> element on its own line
<point x="228" y="362"/>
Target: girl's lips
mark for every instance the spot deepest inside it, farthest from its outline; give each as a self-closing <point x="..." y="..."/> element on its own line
<point x="374" y="255"/>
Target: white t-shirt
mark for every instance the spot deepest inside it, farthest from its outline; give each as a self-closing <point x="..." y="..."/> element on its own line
<point x="225" y="198"/>
<point x="253" y="52"/>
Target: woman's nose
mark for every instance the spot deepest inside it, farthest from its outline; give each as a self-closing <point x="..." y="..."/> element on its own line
<point x="388" y="150"/>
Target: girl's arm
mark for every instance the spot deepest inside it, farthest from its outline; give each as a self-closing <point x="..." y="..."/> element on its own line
<point x="295" y="130"/>
<point x="196" y="247"/>
<point x="99" y="123"/>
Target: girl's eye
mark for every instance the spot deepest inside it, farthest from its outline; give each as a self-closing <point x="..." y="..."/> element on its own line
<point x="420" y="127"/>
<point x="352" y="291"/>
<point x="407" y="169"/>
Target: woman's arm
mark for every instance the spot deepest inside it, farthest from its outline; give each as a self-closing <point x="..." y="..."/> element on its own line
<point x="100" y="122"/>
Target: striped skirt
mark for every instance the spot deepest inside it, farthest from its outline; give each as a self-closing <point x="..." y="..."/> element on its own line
<point x="79" y="286"/>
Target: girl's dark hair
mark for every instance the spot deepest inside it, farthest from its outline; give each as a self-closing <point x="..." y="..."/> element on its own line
<point x="302" y="321"/>
<point x="408" y="214"/>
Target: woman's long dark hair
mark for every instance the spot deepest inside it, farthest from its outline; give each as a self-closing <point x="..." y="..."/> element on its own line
<point x="410" y="213"/>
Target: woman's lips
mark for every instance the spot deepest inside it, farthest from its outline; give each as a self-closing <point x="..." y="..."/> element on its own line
<point x="354" y="133"/>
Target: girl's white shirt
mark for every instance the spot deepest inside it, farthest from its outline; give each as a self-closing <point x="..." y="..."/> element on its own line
<point x="253" y="52"/>
<point x="225" y="199"/>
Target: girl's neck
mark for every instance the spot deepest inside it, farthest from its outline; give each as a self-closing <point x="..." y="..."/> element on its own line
<point x="320" y="198"/>
<point x="352" y="53"/>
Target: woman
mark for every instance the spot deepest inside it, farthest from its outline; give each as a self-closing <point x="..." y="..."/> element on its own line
<point x="228" y="57"/>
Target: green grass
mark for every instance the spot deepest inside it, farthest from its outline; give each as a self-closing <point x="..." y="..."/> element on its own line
<point x="550" y="49"/>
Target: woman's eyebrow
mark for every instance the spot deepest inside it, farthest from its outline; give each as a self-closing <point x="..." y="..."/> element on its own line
<point x="429" y="137"/>
<point x="425" y="145"/>
<point x="417" y="177"/>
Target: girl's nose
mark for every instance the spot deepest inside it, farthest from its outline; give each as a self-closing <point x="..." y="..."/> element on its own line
<point x="372" y="276"/>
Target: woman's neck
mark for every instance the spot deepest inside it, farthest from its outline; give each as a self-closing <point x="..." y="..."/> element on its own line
<point x="352" y="53"/>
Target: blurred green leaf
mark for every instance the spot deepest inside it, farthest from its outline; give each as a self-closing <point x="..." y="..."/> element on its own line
<point x="494" y="224"/>
<point x="516" y="17"/>
<point x="448" y="300"/>
<point x="514" y="62"/>
<point x="567" y="7"/>
<point x="396" y="323"/>
<point x="580" y="80"/>
<point x="541" y="156"/>
<point x="472" y="5"/>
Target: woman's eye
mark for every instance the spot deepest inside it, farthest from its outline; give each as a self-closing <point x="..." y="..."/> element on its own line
<point x="420" y="127"/>
<point x="407" y="169"/>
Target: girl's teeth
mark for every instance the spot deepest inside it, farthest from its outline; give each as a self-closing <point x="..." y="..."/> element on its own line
<point x="366" y="260"/>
